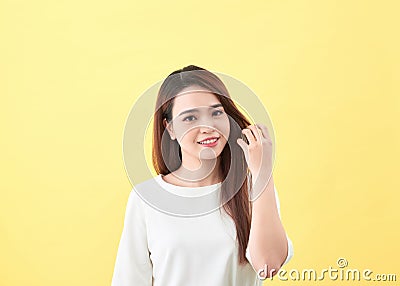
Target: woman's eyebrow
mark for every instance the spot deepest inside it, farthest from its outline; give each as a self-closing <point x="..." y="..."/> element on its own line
<point x="197" y="110"/>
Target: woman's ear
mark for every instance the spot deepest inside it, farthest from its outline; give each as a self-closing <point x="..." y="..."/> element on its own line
<point x="169" y="128"/>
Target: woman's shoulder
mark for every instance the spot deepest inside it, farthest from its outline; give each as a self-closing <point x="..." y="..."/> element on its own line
<point x="145" y="184"/>
<point x="141" y="190"/>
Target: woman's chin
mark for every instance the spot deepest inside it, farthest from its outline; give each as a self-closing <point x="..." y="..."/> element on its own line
<point x="208" y="154"/>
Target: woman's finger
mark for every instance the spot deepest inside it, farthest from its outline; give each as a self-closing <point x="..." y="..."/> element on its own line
<point x="249" y="135"/>
<point x="264" y="130"/>
<point x="256" y="132"/>
<point x="242" y="144"/>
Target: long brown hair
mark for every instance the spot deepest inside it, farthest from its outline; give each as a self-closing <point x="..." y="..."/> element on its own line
<point x="233" y="165"/>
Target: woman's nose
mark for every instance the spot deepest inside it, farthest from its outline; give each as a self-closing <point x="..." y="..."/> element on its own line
<point x="206" y="129"/>
<point x="207" y="124"/>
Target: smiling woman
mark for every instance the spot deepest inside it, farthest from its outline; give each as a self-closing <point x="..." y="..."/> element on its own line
<point x="203" y="124"/>
<point x="198" y="151"/>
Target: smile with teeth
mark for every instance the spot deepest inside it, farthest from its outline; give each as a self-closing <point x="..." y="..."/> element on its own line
<point x="210" y="141"/>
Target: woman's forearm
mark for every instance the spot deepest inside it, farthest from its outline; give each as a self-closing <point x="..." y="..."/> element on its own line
<point x="267" y="241"/>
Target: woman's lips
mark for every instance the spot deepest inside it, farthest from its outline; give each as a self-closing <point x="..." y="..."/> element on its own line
<point x="212" y="142"/>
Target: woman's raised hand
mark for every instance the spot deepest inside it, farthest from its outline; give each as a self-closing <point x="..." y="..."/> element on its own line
<point x="258" y="153"/>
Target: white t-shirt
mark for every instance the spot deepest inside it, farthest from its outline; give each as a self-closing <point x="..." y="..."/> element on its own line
<point x="165" y="250"/>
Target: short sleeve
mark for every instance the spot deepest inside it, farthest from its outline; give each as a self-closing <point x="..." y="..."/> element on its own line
<point x="133" y="265"/>
<point x="290" y="251"/>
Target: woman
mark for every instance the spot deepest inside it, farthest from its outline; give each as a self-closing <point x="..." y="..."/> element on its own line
<point x="202" y="145"/>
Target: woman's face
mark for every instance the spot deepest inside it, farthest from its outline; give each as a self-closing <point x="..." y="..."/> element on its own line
<point x="199" y="123"/>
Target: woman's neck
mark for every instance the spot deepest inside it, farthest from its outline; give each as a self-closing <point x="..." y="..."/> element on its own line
<point x="207" y="174"/>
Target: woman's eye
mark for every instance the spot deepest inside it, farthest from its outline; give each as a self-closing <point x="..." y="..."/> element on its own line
<point x="218" y="112"/>
<point x="189" y="118"/>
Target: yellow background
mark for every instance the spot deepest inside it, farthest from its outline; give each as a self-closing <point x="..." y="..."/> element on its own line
<point x="327" y="71"/>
